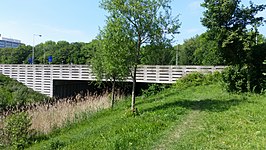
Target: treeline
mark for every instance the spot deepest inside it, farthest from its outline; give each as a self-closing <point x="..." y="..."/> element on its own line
<point x="201" y="50"/>
<point x="63" y="52"/>
<point x="198" y="50"/>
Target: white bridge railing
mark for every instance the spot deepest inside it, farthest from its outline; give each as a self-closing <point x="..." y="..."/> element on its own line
<point x="40" y="77"/>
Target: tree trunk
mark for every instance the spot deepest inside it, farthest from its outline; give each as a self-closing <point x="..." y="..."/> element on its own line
<point x="113" y="93"/>
<point x="137" y="54"/>
<point x="133" y="89"/>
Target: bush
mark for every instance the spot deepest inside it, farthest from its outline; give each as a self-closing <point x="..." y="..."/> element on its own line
<point x="17" y="130"/>
<point x="235" y="79"/>
<point x="214" y="77"/>
<point x="153" y="89"/>
<point x="196" y="79"/>
<point x="14" y="93"/>
<point x="243" y="79"/>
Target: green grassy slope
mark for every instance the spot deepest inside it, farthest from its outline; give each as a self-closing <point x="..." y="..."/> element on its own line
<point x="203" y="117"/>
<point x="12" y="92"/>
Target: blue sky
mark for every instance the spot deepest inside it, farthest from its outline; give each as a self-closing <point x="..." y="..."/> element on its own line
<point x="80" y="20"/>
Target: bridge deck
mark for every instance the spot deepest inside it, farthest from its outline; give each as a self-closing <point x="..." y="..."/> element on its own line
<point x="40" y="77"/>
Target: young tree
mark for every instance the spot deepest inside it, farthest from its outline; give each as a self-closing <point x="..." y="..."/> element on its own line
<point x="112" y="58"/>
<point x="145" y="22"/>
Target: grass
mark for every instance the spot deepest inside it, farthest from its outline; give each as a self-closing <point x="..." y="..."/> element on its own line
<point x="202" y="117"/>
<point x="45" y="120"/>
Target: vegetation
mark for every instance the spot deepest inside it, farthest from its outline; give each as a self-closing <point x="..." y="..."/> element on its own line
<point x="62" y="52"/>
<point x="111" y="61"/>
<point x="199" y="50"/>
<point x="14" y="93"/>
<point x="200" y="116"/>
<point x="158" y="54"/>
<point x="234" y="27"/>
<point x="144" y="22"/>
<point x="196" y="113"/>
<point x="17" y="131"/>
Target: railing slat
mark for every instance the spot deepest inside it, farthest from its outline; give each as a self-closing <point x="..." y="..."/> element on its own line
<point x="40" y="77"/>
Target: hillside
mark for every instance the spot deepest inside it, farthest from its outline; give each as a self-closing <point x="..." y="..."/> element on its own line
<point x="13" y="93"/>
<point x="203" y="117"/>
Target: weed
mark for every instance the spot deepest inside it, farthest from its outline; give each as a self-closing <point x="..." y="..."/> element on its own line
<point x="17" y="130"/>
<point x="56" y="144"/>
<point x="153" y="89"/>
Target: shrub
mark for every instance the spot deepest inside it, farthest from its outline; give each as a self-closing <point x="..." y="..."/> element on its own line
<point x="235" y="78"/>
<point x="12" y="93"/>
<point x="153" y="89"/>
<point x="196" y="79"/>
<point x="214" y="77"/>
<point x="17" y="130"/>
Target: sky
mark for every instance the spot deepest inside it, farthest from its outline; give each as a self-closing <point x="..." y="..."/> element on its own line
<point x="80" y="20"/>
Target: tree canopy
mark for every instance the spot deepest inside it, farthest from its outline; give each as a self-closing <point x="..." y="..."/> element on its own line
<point x="234" y="27"/>
<point x="145" y="22"/>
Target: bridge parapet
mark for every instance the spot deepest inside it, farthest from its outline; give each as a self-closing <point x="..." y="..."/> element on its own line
<point x="40" y="77"/>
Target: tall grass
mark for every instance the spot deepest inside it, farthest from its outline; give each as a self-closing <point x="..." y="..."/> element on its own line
<point x="44" y="120"/>
<point x="45" y="117"/>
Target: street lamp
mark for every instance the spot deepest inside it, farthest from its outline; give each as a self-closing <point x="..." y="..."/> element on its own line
<point x="33" y="46"/>
<point x="176" y="55"/>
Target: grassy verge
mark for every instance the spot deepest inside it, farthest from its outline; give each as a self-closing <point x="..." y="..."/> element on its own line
<point x="203" y="117"/>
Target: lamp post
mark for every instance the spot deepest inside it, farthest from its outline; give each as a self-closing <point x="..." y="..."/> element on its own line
<point x="176" y="55"/>
<point x="34" y="45"/>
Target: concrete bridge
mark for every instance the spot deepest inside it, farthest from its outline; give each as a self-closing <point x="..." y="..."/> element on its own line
<point x="44" y="78"/>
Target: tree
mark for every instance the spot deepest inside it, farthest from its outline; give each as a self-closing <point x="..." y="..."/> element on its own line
<point x="145" y="22"/>
<point x="199" y="50"/>
<point x="158" y="54"/>
<point x="87" y="51"/>
<point x="15" y="55"/>
<point x="234" y="27"/>
<point x="112" y="58"/>
<point x="207" y="53"/>
<point x="186" y="51"/>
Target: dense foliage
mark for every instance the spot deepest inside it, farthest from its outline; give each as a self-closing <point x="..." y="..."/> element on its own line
<point x="15" y="93"/>
<point x="234" y="28"/>
<point x="158" y="54"/>
<point x="199" y="50"/>
<point x="17" y="132"/>
<point x="15" y="55"/>
<point x="62" y="52"/>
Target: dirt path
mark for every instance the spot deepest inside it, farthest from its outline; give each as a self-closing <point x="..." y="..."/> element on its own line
<point x="188" y="123"/>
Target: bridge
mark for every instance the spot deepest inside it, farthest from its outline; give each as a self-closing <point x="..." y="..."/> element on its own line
<point x="44" y="78"/>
